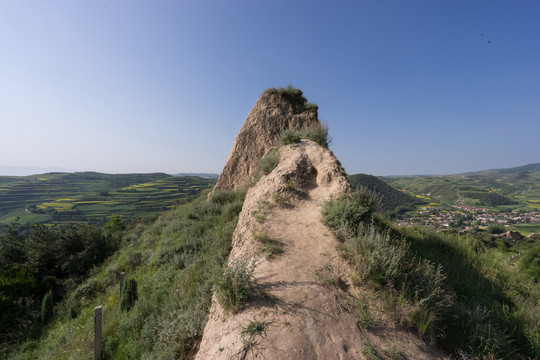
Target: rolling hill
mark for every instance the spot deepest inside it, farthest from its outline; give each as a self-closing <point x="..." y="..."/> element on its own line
<point x="515" y="188"/>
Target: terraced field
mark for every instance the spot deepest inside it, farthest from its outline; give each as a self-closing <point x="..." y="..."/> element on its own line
<point x="93" y="197"/>
<point x="516" y="188"/>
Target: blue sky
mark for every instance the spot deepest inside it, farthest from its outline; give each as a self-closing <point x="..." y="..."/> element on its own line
<point x="406" y="87"/>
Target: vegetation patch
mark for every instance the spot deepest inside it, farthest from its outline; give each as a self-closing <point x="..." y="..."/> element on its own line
<point x="295" y="97"/>
<point x="267" y="163"/>
<point x="317" y="133"/>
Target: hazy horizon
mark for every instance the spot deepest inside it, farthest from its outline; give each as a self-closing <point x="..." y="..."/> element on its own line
<point x="406" y="88"/>
<point x="27" y="171"/>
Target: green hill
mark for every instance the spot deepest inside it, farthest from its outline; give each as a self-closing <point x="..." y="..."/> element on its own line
<point x="391" y="198"/>
<point x="516" y="188"/>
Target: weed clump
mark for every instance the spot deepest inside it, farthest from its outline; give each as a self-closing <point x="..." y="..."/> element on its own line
<point x="233" y="288"/>
<point x="386" y="262"/>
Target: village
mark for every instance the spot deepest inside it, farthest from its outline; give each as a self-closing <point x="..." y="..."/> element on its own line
<point x="468" y="217"/>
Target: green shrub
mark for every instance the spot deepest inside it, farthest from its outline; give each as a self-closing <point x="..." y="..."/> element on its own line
<point x="363" y="316"/>
<point x="351" y="209"/>
<point x="288" y="137"/>
<point x="47" y="307"/>
<point x="495" y="229"/>
<point x="129" y="295"/>
<point x="317" y="133"/>
<point x="233" y="209"/>
<point x="233" y="288"/>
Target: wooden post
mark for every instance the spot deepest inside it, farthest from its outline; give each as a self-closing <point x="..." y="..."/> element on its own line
<point x="98" y="315"/>
<point x="122" y="276"/>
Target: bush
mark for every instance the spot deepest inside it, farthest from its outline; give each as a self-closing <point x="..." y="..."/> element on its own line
<point x="233" y="288"/>
<point x="129" y="295"/>
<point x="495" y="229"/>
<point x="47" y="307"/>
<point x="317" y="133"/>
<point x="347" y="212"/>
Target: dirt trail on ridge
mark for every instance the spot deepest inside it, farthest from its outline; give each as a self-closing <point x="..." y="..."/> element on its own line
<point x="305" y="300"/>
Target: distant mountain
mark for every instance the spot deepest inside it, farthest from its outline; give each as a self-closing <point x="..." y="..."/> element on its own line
<point x="391" y="198"/>
<point x="201" y="175"/>
<point x="512" y="170"/>
<point x="25" y="171"/>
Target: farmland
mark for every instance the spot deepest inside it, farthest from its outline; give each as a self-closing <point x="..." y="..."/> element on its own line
<point x="92" y="197"/>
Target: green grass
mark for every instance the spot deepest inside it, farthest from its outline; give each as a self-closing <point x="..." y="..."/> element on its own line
<point x="526" y="228"/>
<point x="369" y="352"/>
<point x="175" y="263"/>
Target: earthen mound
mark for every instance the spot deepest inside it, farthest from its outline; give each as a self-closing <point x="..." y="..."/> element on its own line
<point x="269" y="117"/>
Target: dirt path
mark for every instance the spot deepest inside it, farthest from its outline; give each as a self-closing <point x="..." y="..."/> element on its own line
<point x="305" y="303"/>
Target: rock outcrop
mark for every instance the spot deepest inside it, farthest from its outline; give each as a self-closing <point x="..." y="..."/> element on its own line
<point x="269" y="117"/>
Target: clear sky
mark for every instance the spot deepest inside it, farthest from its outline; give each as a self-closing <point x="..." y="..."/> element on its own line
<point x="406" y="87"/>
